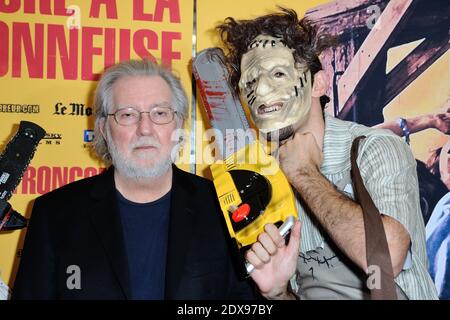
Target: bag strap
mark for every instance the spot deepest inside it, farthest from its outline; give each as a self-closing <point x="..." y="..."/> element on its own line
<point x="377" y="250"/>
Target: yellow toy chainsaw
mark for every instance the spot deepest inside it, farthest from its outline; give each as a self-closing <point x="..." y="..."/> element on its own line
<point x="251" y="188"/>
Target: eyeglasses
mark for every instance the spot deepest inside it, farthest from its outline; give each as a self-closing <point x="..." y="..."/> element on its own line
<point x="129" y="116"/>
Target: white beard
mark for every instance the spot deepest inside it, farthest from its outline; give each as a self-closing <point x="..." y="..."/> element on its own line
<point x="127" y="167"/>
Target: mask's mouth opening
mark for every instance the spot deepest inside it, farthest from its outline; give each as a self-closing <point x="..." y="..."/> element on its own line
<point x="266" y="109"/>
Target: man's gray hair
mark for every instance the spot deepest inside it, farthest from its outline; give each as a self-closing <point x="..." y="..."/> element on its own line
<point x="103" y="100"/>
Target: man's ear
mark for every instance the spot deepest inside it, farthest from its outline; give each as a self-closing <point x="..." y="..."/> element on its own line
<point x="320" y="85"/>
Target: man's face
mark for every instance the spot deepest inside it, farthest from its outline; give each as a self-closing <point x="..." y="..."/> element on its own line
<point x="142" y="149"/>
<point x="277" y="90"/>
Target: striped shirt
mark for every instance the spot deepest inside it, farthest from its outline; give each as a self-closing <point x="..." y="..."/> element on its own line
<point x="388" y="169"/>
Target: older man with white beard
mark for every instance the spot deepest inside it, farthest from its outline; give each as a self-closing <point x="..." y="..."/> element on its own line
<point x="143" y="229"/>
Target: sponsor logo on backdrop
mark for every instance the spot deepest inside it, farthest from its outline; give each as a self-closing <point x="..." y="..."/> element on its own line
<point x="19" y="108"/>
<point x="88" y="137"/>
<point x="72" y="109"/>
<point x="43" y="179"/>
<point x="52" y="139"/>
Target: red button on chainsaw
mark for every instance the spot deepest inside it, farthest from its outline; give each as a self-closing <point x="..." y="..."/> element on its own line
<point x="241" y="213"/>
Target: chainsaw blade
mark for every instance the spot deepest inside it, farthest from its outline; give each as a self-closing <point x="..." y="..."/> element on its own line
<point x="223" y="107"/>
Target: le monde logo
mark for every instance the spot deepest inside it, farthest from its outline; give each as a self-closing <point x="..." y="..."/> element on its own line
<point x="72" y="109"/>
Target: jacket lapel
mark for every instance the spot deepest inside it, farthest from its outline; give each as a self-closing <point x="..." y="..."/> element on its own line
<point x="104" y="214"/>
<point x="182" y="220"/>
<point x="105" y="218"/>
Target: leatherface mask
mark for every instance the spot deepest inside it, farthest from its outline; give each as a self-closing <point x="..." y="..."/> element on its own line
<point x="275" y="87"/>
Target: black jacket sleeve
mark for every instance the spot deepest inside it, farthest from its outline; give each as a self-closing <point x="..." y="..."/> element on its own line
<point x="36" y="278"/>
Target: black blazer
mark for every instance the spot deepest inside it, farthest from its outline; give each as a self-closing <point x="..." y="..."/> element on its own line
<point x="79" y="224"/>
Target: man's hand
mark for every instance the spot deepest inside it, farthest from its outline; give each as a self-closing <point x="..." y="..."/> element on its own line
<point x="274" y="261"/>
<point x="441" y="121"/>
<point x="298" y="154"/>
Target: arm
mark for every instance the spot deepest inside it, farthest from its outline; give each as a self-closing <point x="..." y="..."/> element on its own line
<point x="341" y="217"/>
<point x="439" y="121"/>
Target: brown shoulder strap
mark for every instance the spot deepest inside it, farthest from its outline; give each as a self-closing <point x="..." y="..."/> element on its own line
<point x="377" y="250"/>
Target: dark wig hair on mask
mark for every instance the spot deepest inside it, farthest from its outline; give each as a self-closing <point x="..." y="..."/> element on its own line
<point x="298" y="34"/>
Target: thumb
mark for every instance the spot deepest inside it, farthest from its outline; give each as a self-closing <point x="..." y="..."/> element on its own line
<point x="294" y="241"/>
